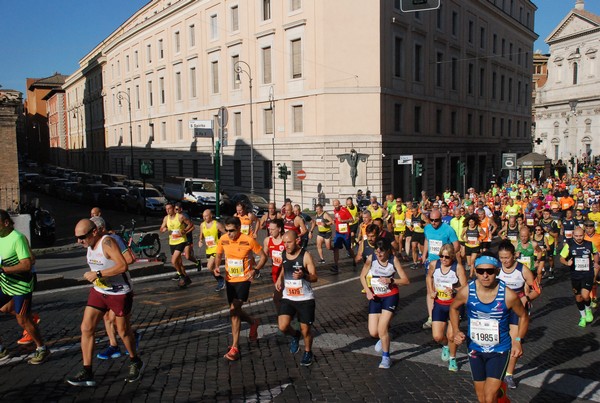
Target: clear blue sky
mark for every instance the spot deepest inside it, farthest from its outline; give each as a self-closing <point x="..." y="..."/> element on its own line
<point x="47" y="36"/>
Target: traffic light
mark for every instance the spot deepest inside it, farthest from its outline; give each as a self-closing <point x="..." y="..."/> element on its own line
<point x="462" y="168"/>
<point x="283" y="172"/>
<point x="418" y="5"/>
<point x="418" y="168"/>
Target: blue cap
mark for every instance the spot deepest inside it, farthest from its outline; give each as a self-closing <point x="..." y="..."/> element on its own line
<point x="487" y="260"/>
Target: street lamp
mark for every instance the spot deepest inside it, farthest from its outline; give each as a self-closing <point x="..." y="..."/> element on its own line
<point x="123" y="95"/>
<point x="239" y="69"/>
<point x="272" y="109"/>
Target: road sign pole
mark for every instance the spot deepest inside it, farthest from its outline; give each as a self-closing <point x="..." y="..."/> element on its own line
<point x="218" y="178"/>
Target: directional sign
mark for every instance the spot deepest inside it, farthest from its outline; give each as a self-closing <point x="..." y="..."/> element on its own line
<point x="405" y="160"/>
<point x="509" y="161"/>
<point x="201" y="124"/>
<point x="203" y="132"/>
<point x="301" y="174"/>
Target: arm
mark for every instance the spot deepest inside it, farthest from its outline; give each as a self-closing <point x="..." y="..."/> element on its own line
<point x="359" y="252"/>
<point x="429" y="281"/>
<point x="513" y="302"/>
<point x="310" y="274"/>
<point x="23" y="266"/>
<point x="363" y="278"/>
<point x="459" y="300"/>
<point x="299" y="222"/>
<point x="529" y="279"/>
<point x="189" y="224"/>
<point x="254" y="224"/>
<point x="402" y="277"/>
<point x="112" y="252"/>
<point x="201" y="236"/>
<point x="462" y="275"/>
<point x="425" y="250"/>
<point x="163" y="226"/>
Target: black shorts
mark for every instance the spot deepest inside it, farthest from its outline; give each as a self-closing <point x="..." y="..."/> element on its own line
<point x="179" y="247"/>
<point x="354" y="228"/>
<point x="418" y="237"/>
<point x="408" y="233"/>
<point x="305" y="310"/>
<point x="209" y="255"/>
<point x="399" y="232"/>
<point x="470" y="250"/>
<point x="582" y="283"/>
<point x="486" y="245"/>
<point x="324" y="235"/>
<point x="239" y="291"/>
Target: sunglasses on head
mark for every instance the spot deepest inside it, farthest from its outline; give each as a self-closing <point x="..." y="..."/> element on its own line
<point x="490" y="271"/>
<point x="82" y="237"/>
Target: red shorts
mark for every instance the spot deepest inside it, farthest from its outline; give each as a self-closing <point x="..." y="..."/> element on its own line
<point x="120" y="304"/>
<point x="275" y="273"/>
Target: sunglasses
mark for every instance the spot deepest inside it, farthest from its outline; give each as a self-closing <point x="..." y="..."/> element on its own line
<point x="445" y="257"/>
<point x="488" y="271"/>
<point x="82" y="237"/>
<point x="230" y="230"/>
<point x="589" y="226"/>
<point x="436" y="220"/>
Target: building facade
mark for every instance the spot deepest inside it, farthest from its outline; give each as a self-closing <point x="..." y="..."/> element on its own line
<point x="333" y="88"/>
<point x="567" y="105"/>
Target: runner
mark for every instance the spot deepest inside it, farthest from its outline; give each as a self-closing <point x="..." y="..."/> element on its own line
<point x="488" y="303"/>
<point x="458" y="224"/>
<point x="526" y="252"/>
<point x="444" y="277"/>
<point x="291" y="222"/>
<point x="178" y="227"/>
<point x="237" y="250"/>
<point x="398" y="224"/>
<point x="323" y="223"/>
<point x="551" y="232"/>
<point x="188" y="251"/>
<point x="417" y="241"/>
<point x="489" y="227"/>
<point x="581" y="257"/>
<point x="111" y="291"/>
<point x="343" y="219"/>
<point x="354" y="210"/>
<point x="303" y="241"/>
<point x="269" y="216"/>
<point x="382" y="294"/>
<point x="273" y="247"/>
<point x="472" y="234"/>
<point x="592" y="236"/>
<point x="248" y="220"/>
<point x="294" y="283"/>
<point x="210" y="232"/>
<point x="17" y="283"/>
<point x="521" y="280"/>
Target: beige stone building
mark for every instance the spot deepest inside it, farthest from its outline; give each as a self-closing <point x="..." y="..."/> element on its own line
<point x="326" y="78"/>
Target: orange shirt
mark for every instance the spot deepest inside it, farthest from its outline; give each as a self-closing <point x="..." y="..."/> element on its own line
<point x="238" y="257"/>
<point x="247" y="227"/>
<point x="595" y="240"/>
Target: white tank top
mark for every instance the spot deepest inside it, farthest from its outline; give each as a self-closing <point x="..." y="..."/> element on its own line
<point x="115" y="285"/>
<point x="515" y="280"/>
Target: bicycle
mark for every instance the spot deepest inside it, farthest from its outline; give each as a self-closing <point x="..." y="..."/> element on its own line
<point x="146" y="243"/>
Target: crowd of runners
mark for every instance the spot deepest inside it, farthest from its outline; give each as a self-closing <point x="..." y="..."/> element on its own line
<point x="485" y="255"/>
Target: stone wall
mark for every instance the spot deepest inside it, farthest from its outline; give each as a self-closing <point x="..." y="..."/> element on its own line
<point x="10" y="102"/>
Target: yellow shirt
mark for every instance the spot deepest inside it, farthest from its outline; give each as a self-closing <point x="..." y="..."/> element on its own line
<point x="595" y="217"/>
<point x="211" y="236"/>
<point x="399" y="221"/>
<point x="176" y="227"/>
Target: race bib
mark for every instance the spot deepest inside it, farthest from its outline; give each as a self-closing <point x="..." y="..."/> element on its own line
<point x="210" y="241"/>
<point x="484" y="332"/>
<point x="398" y="223"/>
<point x="525" y="261"/>
<point x="320" y="222"/>
<point x="530" y="222"/>
<point x="512" y="238"/>
<point x="235" y="267"/>
<point x="343" y="228"/>
<point x="445" y="291"/>
<point x="245" y="229"/>
<point x="435" y="246"/>
<point x="417" y="225"/>
<point x="568" y="234"/>
<point x="472" y="240"/>
<point x="277" y="257"/>
<point x="176" y="234"/>
<point x="408" y="222"/>
<point x="378" y="287"/>
<point x="293" y="288"/>
<point x="582" y="264"/>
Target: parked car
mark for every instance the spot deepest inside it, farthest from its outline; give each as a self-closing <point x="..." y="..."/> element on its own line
<point x="134" y="183"/>
<point x="92" y="192"/>
<point x="65" y="190"/>
<point x="43" y="184"/>
<point x="113" y="179"/>
<point x="155" y="201"/>
<point x="53" y="184"/>
<point x="75" y="193"/>
<point x="29" y="180"/>
<point x="113" y="197"/>
<point x="254" y="203"/>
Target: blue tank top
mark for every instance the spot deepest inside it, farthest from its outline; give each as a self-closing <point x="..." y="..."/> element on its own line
<point x="488" y="323"/>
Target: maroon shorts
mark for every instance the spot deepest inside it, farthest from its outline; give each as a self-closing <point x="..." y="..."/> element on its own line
<point x="120" y="304"/>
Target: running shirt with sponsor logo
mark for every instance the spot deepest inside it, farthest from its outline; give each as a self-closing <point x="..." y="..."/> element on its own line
<point x="13" y="249"/>
<point x="238" y="257"/>
<point x="113" y="285"/>
<point x="295" y="289"/>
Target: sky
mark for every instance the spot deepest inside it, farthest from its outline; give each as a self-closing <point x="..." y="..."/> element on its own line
<point x="42" y="37"/>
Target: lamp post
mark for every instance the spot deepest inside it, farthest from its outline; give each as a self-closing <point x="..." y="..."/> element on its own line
<point x="248" y="71"/>
<point x="272" y="109"/>
<point x="120" y="96"/>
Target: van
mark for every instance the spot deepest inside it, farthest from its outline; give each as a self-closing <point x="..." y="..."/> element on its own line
<point x="113" y="179"/>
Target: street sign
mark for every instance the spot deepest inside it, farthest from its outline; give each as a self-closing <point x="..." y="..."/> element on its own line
<point x="203" y="132"/>
<point x="201" y="124"/>
<point x="223" y="116"/>
<point x="509" y="161"/>
<point x="405" y="160"/>
<point x="418" y="5"/>
<point x="147" y="169"/>
<point x="301" y="174"/>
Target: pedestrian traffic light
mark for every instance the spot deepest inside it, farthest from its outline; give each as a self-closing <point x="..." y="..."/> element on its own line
<point x="418" y="168"/>
<point x="462" y="168"/>
<point x="418" y="5"/>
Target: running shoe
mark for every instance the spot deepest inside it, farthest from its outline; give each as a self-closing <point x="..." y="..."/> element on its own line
<point x="110" y="352"/>
<point x="582" y="322"/>
<point x="307" y="359"/>
<point x="220" y="286"/>
<point x="322" y="261"/>
<point x="187" y="280"/>
<point x="294" y="345"/>
<point x="427" y="325"/>
<point x="253" y="334"/>
<point x="551" y="275"/>
<point x="26" y="338"/>
<point x="136" y="367"/>
<point x="510" y="382"/>
<point x="378" y="346"/>
<point x="452" y="365"/>
<point x="334" y="269"/>
<point x="40" y="356"/>
<point x="233" y="354"/>
<point x="83" y="378"/>
<point x="4" y="354"/>
<point x="386" y="363"/>
<point x="589" y="316"/>
<point x="445" y="353"/>
<point x="182" y="282"/>
<point x="176" y="277"/>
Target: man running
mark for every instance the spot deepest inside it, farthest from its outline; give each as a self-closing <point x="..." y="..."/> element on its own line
<point x="188" y="251"/>
<point x="16" y="285"/>
<point x="323" y="222"/>
<point x="237" y="250"/>
<point x="111" y="291"/>
<point x="343" y="219"/>
<point x="178" y="226"/>
<point x="273" y="246"/>
<point x="298" y="297"/>
<point x="210" y="232"/>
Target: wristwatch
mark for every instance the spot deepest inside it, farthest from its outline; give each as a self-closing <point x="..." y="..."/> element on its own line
<point x="520" y="340"/>
<point x="98" y="274"/>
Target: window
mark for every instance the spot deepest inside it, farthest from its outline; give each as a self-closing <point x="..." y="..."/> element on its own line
<point x="236" y="82"/>
<point x="178" y="86"/>
<point x="494" y="43"/>
<point x="192" y="35"/>
<point x="519" y="93"/>
<point x="397" y="117"/>
<point x="295" y="5"/>
<point x="214" y="68"/>
<point x="482" y="38"/>
<point x="470" y="32"/>
<point x="296" y="183"/>
<point x="510" y="51"/>
<point x="454" y="23"/>
<point x="137" y="96"/>
<point x="127" y="63"/>
<point x="192" y="82"/>
<point x="237" y="123"/>
<point x="177" y="42"/>
<point x="150" y="100"/>
<point x="493" y="127"/>
<point x="163" y="131"/>
<point x="418" y="63"/>
<point x="214" y="29"/>
<point x="398" y="57"/>
<point x="470" y="78"/>
<point x="136" y="60"/>
<point x="268" y="174"/>
<point x="149" y="53"/>
<point x="519" y="57"/>
<point x="439" y="69"/>
<point x="501" y="127"/>
<point x="296" y="45"/>
<point x="235" y="19"/>
<point x="453" y="122"/>
<point x="454" y="75"/>
<point x="481" y="82"/>
<point x="502" y="87"/>
<point x="237" y="173"/>
<point x="161" y="89"/>
<point x="266" y="10"/>
<point x="470" y="124"/>
<point x="481" y="125"/>
<point x="266" y="65"/>
<point x="298" y="119"/>
<point x="438" y="121"/>
<point x="503" y="46"/>
<point x="179" y="129"/>
<point x="575" y="71"/>
<point x="494" y="76"/>
<point x="510" y="84"/>
<point x="161" y="50"/>
<point x="518" y="131"/>
<point x="268" y="121"/>
<point x="139" y="133"/>
<point x="417" y="119"/>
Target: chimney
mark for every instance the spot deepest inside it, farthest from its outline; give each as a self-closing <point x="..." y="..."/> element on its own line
<point x="579" y="5"/>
